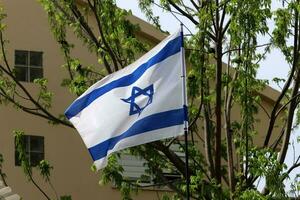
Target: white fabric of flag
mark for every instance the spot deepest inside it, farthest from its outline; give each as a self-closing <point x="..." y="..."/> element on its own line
<point x="139" y="104"/>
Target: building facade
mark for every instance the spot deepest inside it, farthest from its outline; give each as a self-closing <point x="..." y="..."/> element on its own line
<point x="33" y="52"/>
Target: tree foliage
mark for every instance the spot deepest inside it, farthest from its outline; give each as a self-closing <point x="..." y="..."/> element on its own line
<point x="225" y="31"/>
<point x="43" y="167"/>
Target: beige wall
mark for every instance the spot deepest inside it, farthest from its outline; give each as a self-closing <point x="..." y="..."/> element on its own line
<point x="28" y="30"/>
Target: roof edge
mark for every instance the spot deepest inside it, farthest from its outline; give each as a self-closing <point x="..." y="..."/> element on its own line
<point x="147" y="30"/>
<point x="151" y="32"/>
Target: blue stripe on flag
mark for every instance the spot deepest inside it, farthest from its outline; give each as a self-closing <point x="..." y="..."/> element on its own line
<point x="171" y="48"/>
<point x="149" y="123"/>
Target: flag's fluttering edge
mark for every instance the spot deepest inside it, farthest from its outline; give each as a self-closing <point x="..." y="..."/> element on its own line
<point x="136" y="105"/>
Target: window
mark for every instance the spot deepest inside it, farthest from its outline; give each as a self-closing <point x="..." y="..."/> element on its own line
<point x="28" y="65"/>
<point x="134" y="167"/>
<point x="34" y="147"/>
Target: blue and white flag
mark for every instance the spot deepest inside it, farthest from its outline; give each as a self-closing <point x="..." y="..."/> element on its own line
<point x="139" y="104"/>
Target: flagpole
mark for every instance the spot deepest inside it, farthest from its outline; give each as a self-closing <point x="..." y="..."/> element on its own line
<point x="184" y="96"/>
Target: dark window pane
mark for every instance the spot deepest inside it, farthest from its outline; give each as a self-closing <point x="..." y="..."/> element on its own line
<point x="34" y="148"/>
<point x="17" y="160"/>
<point x="35" y="158"/>
<point x="25" y="142"/>
<point x="21" y="57"/>
<point x="36" y="58"/>
<point x="21" y="73"/>
<point x="37" y="144"/>
<point x="35" y="73"/>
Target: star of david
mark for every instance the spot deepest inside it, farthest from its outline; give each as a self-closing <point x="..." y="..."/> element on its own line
<point x="139" y="99"/>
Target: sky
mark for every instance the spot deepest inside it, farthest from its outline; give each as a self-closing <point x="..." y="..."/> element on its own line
<point x="274" y="65"/>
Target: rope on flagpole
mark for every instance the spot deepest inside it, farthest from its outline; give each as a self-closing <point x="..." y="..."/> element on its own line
<point x="184" y="96"/>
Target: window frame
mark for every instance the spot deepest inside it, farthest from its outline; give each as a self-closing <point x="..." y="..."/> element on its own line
<point x="28" y="66"/>
<point x="140" y="166"/>
<point x="28" y="149"/>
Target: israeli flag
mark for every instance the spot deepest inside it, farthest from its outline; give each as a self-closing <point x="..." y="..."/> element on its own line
<point x="139" y="104"/>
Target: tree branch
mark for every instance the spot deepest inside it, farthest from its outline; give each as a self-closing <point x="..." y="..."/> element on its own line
<point x="293" y="103"/>
<point x="175" y="159"/>
<point x="109" y="50"/>
<point x="286" y="86"/>
<point x="183" y="12"/>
